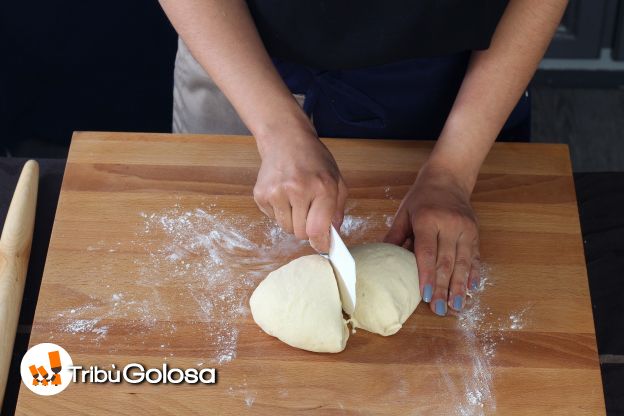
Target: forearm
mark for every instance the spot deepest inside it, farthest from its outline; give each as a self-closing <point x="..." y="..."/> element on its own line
<point x="493" y="84"/>
<point x="223" y="38"/>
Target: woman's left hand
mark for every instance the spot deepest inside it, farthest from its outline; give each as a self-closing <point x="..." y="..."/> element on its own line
<point x="437" y="215"/>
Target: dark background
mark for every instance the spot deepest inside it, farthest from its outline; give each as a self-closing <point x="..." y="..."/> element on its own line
<point x="75" y="65"/>
<point x="82" y="65"/>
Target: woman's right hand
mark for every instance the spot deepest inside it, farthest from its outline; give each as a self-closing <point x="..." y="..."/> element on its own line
<point x="300" y="186"/>
<point x="299" y="183"/>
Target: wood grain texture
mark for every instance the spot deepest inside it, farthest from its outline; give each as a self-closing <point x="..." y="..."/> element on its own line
<point x="479" y="363"/>
<point x="15" y="243"/>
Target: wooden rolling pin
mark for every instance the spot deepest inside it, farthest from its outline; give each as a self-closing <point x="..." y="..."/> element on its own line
<point x="15" y="243"/>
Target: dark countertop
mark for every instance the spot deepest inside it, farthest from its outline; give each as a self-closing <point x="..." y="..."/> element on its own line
<point x="601" y="208"/>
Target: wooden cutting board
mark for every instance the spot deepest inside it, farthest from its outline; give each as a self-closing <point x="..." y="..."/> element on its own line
<point x="157" y="246"/>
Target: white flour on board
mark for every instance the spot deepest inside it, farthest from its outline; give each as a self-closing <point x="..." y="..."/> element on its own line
<point x="481" y="333"/>
<point x="210" y="256"/>
<point x="210" y="253"/>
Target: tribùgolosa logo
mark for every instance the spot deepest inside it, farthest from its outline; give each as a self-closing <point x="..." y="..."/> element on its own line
<point x="45" y="369"/>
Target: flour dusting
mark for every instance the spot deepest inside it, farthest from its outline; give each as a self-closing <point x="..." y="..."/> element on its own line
<point x="388" y="220"/>
<point x="82" y="325"/>
<point x="212" y="254"/>
<point x="351" y="225"/>
<point x="214" y="258"/>
<point x="481" y="333"/>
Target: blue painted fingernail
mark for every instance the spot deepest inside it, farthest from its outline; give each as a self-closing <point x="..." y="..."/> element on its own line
<point x="475" y="284"/>
<point x="440" y="307"/>
<point x="458" y="303"/>
<point x="428" y="293"/>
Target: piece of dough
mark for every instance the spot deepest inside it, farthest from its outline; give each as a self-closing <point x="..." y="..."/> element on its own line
<point x="387" y="287"/>
<point x="299" y="303"/>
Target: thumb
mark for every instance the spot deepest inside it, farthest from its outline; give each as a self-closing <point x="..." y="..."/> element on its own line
<point x="400" y="229"/>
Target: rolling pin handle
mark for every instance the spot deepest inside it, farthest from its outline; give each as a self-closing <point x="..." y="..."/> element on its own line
<point x="15" y="243"/>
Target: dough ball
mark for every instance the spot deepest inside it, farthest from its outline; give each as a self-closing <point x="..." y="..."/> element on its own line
<point x="299" y="303"/>
<point x="387" y="287"/>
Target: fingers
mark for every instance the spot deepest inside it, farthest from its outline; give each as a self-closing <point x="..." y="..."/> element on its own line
<point x="275" y="204"/>
<point x="474" y="279"/>
<point x="308" y="213"/>
<point x="425" y="249"/>
<point x="312" y="221"/>
<point x="283" y="214"/>
<point x="299" y="213"/>
<point x="318" y="221"/>
<point x="447" y="243"/>
<point x="340" y="204"/>
<point x="400" y="229"/>
<point x="263" y="203"/>
<point x="461" y="272"/>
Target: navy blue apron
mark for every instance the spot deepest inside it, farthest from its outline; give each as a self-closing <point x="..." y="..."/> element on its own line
<point x="404" y="100"/>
